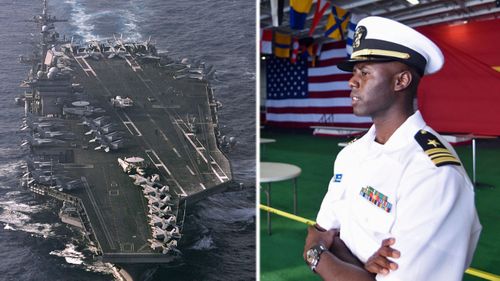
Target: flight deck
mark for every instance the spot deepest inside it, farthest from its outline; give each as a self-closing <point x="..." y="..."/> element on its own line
<point x="128" y="137"/>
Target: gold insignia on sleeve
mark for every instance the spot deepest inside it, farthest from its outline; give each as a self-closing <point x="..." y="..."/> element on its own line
<point x="433" y="142"/>
<point x="436" y="151"/>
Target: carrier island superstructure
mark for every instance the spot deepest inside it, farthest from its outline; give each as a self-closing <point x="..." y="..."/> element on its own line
<point x="127" y="138"/>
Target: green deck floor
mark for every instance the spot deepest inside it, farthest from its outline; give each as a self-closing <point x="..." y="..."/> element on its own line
<point x="281" y="252"/>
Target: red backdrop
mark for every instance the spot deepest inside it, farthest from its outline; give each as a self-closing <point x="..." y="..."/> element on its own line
<point x="464" y="97"/>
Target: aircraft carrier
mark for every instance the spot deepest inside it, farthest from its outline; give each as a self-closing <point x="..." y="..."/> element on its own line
<point x="127" y="138"/>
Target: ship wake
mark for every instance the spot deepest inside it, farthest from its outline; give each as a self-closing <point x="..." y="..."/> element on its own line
<point x="205" y="243"/>
<point x="73" y="256"/>
<point x="88" y="23"/>
<point x="16" y="216"/>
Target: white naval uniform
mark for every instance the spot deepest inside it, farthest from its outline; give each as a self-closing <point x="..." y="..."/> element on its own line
<point x="432" y="216"/>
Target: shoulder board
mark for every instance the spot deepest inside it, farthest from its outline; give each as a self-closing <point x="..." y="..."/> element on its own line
<point x="438" y="153"/>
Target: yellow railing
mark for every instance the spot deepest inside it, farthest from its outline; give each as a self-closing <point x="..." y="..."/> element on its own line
<point x="470" y="271"/>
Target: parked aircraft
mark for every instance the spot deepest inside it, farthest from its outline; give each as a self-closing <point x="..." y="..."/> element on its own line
<point x="121" y="102"/>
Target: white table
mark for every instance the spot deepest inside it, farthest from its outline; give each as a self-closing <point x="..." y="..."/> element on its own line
<point x="264" y="141"/>
<point x="275" y="172"/>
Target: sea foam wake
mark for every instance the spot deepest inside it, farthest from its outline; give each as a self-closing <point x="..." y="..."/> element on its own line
<point x="88" y="23"/>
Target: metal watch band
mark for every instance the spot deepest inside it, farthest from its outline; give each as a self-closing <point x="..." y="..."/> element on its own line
<point x="318" y="250"/>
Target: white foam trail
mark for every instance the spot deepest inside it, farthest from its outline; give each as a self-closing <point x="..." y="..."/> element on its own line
<point x="16" y="216"/>
<point x="101" y="267"/>
<point x="84" y="22"/>
<point x="10" y="150"/>
<point x="13" y="193"/>
<point x="70" y="254"/>
<point x="230" y="215"/>
<point x="8" y="227"/>
<point x="15" y="207"/>
<point x="131" y="26"/>
<point x="83" y="25"/>
<point x="250" y="75"/>
<point x="205" y="243"/>
<point x="242" y="214"/>
<point x="9" y="169"/>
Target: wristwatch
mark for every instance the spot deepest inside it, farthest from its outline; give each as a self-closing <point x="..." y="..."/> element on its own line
<point x="313" y="255"/>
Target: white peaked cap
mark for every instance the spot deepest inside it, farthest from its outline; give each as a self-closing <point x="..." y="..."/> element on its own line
<point x="382" y="39"/>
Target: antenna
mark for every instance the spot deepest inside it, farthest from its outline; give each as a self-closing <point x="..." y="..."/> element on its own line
<point x="44" y="8"/>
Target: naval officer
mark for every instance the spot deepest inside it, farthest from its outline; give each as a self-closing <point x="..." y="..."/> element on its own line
<point x="400" y="205"/>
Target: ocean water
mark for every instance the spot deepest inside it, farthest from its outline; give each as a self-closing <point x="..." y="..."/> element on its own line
<point x="220" y="230"/>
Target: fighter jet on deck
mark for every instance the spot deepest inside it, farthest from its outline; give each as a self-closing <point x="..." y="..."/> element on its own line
<point x="166" y="234"/>
<point x="160" y="210"/>
<point x="108" y="146"/>
<point x="36" y="141"/>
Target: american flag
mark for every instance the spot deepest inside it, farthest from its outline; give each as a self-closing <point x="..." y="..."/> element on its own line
<point x="300" y="95"/>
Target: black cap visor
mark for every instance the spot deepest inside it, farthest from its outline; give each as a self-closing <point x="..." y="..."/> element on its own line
<point x="348" y="65"/>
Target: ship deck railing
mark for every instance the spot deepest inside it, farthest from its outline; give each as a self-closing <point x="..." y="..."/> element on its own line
<point x="82" y="212"/>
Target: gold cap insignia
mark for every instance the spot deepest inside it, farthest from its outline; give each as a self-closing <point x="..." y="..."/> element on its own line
<point x="358" y="35"/>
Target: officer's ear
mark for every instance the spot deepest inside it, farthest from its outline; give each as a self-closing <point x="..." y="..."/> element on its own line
<point x="402" y="80"/>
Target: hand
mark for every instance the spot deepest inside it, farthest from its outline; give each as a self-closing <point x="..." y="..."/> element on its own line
<point x="317" y="235"/>
<point x="379" y="262"/>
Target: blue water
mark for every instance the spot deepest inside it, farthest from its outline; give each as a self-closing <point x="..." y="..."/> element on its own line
<point x="34" y="245"/>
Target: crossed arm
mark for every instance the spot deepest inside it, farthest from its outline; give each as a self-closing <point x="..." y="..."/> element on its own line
<point x="340" y="264"/>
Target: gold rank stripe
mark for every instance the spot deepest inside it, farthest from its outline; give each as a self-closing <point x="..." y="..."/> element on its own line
<point x="378" y="52"/>
<point x="440" y="152"/>
<point x="438" y="155"/>
<point x="445" y="159"/>
<point x="436" y="150"/>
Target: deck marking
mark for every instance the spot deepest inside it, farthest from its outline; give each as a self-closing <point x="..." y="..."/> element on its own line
<point x="159" y="163"/>
<point x="72" y="166"/>
<point x="159" y="130"/>
<point x="200" y="149"/>
<point x="126" y="126"/>
<point x="176" y="152"/>
<point x="125" y="123"/>
<point x="191" y="171"/>
<point x="132" y="62"/>
<point x="157" y="106"/>
<point x="98" y="213"/>
<point x="139" y="134"/>
<point x="145" y="83"/>
<point x="87" y="68"/>
<point x="214" y="165"/>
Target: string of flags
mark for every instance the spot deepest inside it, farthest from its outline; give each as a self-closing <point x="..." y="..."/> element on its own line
<point x="299" y="9"/>
<point x="304" y="87"/>
<point x="340" y="26"/>
<point x="337" y="23"/>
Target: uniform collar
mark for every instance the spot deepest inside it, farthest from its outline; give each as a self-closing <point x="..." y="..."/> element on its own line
<point x="402" y="136"/>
